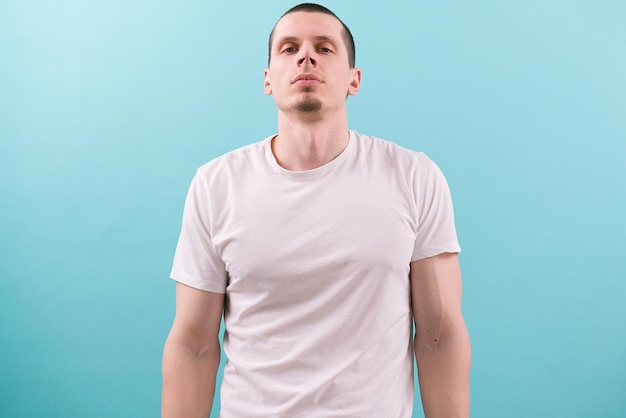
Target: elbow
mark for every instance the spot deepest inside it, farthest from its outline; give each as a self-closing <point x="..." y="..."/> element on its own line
<point x="211" y="351"/>
<point x="207" y="349"/>
<point x="429" y="343"/>
<point x="444" y="337"/>
<point x="446" y="352"/>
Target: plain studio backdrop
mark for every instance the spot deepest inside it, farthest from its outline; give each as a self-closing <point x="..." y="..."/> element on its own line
<point x="108" y="107"/>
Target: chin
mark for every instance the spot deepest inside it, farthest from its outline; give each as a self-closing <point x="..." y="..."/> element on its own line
<point x="309" y="105"/>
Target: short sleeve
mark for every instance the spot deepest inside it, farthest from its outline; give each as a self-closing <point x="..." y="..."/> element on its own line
<point x="196" y="263"/>
<point x="435" y="232"/>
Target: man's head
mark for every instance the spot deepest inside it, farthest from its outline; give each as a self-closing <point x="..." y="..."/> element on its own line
<point x="310" y="71"/>
<point x="348" y="40"/>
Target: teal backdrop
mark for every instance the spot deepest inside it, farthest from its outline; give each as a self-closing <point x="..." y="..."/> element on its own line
<point x="108" y="107"/>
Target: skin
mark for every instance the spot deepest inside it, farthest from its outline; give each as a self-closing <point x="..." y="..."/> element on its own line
<point x="310" y="78"/>
<point x="310" y="44"/>
<point x="191" y="355"/>
<point x="442" y="345"/>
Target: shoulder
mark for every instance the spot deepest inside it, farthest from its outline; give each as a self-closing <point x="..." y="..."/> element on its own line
<point x="388" y="152"/>
<point x="237" y="156"/>
<point x="236" y="161"/>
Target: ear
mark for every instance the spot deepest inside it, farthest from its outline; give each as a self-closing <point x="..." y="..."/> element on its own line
<point x="355" y="82"/>
<point x="267" y="87"/>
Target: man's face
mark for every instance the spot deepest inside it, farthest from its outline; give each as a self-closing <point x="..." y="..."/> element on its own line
<point x="309" y="70"/>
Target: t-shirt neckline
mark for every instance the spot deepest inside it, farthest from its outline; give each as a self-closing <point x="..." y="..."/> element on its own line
<point x="313" y="173"/>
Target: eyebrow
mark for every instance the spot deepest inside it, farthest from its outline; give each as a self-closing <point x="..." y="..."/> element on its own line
<point x="319" y="38"/>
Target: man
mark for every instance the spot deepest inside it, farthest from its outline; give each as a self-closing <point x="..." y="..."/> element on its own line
<point x="319" y="245"/>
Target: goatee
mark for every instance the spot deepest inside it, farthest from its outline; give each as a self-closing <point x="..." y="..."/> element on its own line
<point x="309" y="104"/>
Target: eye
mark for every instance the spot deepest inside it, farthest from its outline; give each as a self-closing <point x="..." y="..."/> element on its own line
<point x="289" y="50"/>
<point x="325" y="50"/>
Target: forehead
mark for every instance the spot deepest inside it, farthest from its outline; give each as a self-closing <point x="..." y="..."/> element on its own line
<point x="308" y="25"/>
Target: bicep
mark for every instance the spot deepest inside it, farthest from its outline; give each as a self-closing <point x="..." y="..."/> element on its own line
<point x="436" y="293"/>
<point x="198" y="315"/>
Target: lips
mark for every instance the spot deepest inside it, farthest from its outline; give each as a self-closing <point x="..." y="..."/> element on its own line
<point x="306" y="78"/>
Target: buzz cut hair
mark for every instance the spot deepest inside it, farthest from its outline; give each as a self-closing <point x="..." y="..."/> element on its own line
<point x="348" y="40"/>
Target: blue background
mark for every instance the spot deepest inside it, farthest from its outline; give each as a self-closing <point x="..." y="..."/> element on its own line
<point x="108" y="107"/>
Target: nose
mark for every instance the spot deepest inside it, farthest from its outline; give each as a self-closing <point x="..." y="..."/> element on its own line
<point x="306" y="56"/>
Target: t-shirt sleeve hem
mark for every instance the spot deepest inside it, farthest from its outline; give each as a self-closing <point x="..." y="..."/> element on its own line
<point x="423" y="253"/>
<point x="197" y="283"/>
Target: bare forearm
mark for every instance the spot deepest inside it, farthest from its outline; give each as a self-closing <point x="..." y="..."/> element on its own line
<point x="443" y="372"/>
<point x="188" y="381"/>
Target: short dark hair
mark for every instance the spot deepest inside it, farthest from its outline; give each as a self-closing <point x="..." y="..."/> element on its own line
<point x="317" y="8"/>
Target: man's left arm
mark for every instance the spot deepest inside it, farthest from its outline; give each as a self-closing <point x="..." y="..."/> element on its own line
<point x="442" y="345"/>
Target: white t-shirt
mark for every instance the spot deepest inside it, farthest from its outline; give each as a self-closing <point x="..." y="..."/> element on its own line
<point x="315" y="267"/>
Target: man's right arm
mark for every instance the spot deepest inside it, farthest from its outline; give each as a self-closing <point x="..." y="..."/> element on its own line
<point x="191" y="355"/>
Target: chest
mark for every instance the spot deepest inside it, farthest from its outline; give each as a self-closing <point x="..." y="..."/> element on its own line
<point x="270" y="230"/>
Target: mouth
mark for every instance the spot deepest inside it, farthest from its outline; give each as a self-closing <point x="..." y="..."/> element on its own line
<point x="306" y="80"/>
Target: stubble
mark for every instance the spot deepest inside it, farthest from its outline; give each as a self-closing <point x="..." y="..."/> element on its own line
<point x="308" y="104"/>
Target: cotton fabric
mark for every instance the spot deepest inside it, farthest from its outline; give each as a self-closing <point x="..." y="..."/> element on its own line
<point x="315" y="270"/>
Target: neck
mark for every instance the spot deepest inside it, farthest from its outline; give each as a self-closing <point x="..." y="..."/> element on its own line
<point x="307" y="144"/>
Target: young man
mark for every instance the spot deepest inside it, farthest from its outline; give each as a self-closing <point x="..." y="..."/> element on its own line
<point x="319" y="245"/>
